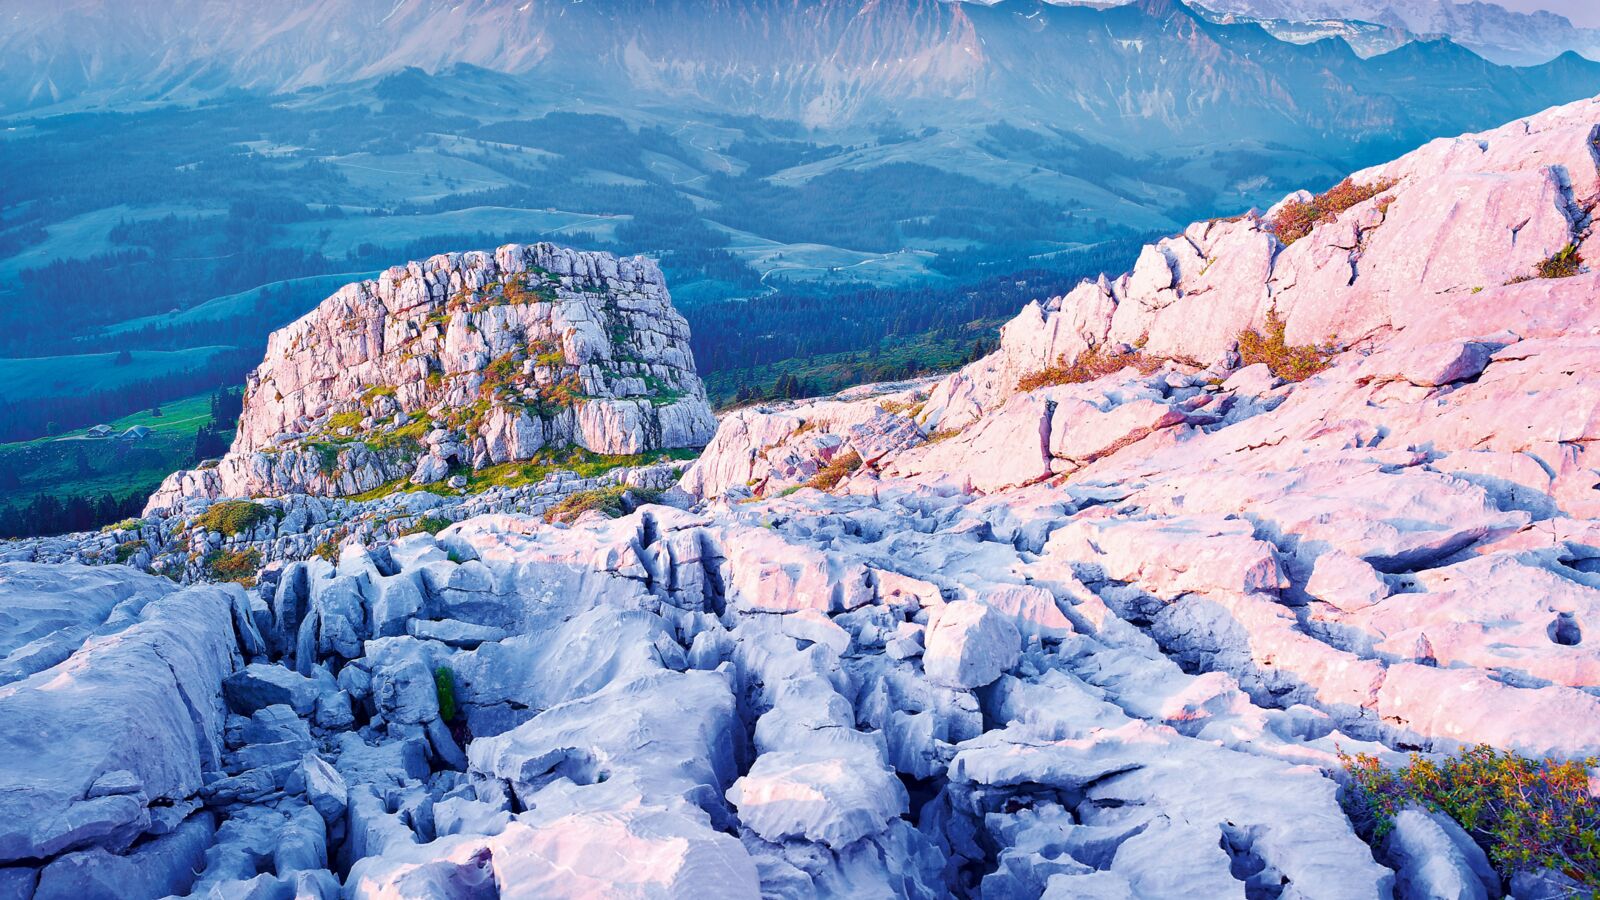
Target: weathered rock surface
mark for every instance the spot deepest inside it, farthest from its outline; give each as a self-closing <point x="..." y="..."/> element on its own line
<point x="462" y="360"/>
<point x="108" y="746"/>
<point x="1099" y="639"/>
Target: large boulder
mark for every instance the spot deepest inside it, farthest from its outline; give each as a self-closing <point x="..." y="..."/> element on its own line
<point x="128" y="725"/>
<point x="969" y="644"/>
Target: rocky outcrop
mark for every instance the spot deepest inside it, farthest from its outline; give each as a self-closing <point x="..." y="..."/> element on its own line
<point x="465" y="360"/>
<point x="1438" y="252"/>
<point x="983" y="636"/>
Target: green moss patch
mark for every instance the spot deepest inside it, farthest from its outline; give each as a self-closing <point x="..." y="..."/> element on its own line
<point x="231" y="517"/>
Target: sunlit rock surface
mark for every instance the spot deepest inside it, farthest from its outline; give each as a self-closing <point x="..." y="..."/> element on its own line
<point x="462" y="360"/>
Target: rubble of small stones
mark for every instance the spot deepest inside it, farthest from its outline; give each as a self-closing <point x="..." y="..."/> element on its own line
<point x="1100" y="639"/>
<point x="175" y="543"/>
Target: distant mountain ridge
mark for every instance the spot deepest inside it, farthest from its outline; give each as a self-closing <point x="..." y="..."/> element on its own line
<point x="1488" y="29"/>
<point x="1124" y="72"/>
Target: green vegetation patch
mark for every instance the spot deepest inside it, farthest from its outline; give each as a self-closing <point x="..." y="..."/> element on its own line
<point x="835" y="471"/>
<point x="444" y="686"/>
<point x="238" y="566"/>
<point x="345" y="420"/>
<point x="584" y="463"/>
<point x="407" y="437"/>
<point x="1090" y="364"/>
<point x="608" y="500"/>
<point x="327" y="455"/>
<point x="1296" y="219"/>
<point x="231" y="517"/>
<point x="429" y="525"/>
<point x="1286" y="361"/>
<point x="1528" y="814"/>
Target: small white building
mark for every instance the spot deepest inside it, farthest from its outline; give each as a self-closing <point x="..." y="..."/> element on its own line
<point x="100" y="431"/>
<point x="136" y="433"/>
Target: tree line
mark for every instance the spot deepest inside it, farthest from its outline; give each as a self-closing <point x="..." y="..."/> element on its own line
<point x="46" y="514"/>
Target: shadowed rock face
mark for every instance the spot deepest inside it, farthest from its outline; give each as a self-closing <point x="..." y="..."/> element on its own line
<point x="470" y="359"/>
<point x="1097" y="638"/>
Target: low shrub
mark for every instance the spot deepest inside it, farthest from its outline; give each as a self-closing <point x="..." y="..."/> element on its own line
<point x="1090" y="364"/>
<point x="1563" y="264"/>
<point x="231" y="517"/>
<point x="835" y="471"/>
<point x="328" y="550"/>
<point x="429" y="525"/>
<point x="1286" y="361"/>
<point x="238" y="566"/>
<point x="124" y="525"/>
<point x="1528" y="814"/>
<point x="127" y="549"/>
<point x="553" y="398"/>
<point x="609" y="500"/>
<point x="1296" y="219"/>
<point x="501" y="372"/>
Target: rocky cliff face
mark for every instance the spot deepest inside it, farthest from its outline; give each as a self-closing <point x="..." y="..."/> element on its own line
<point x="1094" y="616"/>
<point x="462" y="361"/>
<point x="1452" y="236"/>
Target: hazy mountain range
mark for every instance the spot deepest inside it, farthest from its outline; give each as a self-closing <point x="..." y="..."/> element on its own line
<point x="821" y="55"/>
<point x="1148" y="64"/>
<point x="1492" y="31"/>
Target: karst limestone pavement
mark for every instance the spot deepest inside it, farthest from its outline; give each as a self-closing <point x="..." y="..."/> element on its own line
<point x="1098" y="639"/>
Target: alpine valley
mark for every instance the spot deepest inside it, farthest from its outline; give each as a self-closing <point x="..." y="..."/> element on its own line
<point x="837" y="191"/>
<point x="1258" y="557"/>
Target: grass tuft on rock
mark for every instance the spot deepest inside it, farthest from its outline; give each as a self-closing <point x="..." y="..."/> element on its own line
<point x="1090" y="364"/>
<point x="835" y="471"/>
<point x="613" y="501"/>
<point x="1296" y="218"/>
<point x="1563" y="264"/>
<point x="1290" y="362"/>
<point x="231" y="517"/>
<point x="444" y="685"/>
<point x="238" y="566"/>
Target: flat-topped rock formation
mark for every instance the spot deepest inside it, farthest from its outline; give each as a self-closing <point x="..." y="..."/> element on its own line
<point x="462" y="361"/>
<point x="1095" y="616"/>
